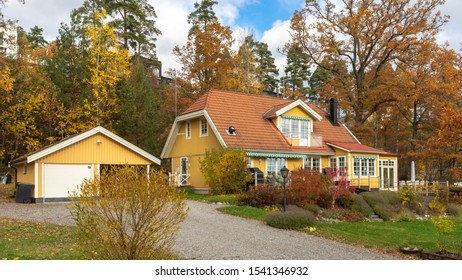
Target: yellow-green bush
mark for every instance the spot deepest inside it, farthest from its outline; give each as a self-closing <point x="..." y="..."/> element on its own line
<point x="225" y="171"/>
<point x="127" y="214"/>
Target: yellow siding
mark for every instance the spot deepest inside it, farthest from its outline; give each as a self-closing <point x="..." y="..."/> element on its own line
<point x="297" y="112"/>
<point x="194" y="149"/>
<point x="88" y="151"/>
<point x="29" y="177"/>
<point x="339" y="152"/>
<point x="324" y="162"/>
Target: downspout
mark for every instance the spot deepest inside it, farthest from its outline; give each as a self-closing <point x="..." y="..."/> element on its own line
<point x="15" y="173"/>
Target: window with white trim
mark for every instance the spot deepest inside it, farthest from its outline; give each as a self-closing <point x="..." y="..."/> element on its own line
<point x="188" y="130"/>
<point x="295" y="129"/>
<point x="203" y="127"/>
<point x="274" y="165"/>
<point x="364" y="165"/>
<point x="313" y="163"/>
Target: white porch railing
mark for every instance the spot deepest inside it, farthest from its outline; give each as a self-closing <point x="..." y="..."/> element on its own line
<point x="180" y="180"/>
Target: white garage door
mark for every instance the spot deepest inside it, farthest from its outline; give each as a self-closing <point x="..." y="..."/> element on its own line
<point x="60" y="180"/>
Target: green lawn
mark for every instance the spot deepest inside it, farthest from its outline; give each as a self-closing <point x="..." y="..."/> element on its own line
<point x="224" y="198"/>
<point x="36" y="241"/>
<point x="244" y="212"/>
<point x="389" y="236"/>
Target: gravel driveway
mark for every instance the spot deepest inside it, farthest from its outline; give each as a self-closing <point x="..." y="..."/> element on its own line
<point x="209" y="234"/>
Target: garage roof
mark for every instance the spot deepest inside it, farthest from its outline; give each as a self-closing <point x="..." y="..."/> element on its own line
<point x="76" y="138"/>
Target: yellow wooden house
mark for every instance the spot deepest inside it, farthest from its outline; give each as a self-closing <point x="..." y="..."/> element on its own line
<point x="274" y="132"/>
<point x="57" y="170"/>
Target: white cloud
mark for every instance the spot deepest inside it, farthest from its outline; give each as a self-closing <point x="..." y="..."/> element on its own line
<point x="276" y="38"/>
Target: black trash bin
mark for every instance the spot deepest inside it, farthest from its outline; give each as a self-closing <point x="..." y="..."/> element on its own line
<point x="24" y="193"/>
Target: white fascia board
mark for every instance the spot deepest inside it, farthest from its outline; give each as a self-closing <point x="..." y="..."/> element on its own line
<point x="304" y="107"/>
<point x="351" y="133"/>
<point x="176" y="127"/>
<point x="174" y="131"/>
<point x="215" y="130"/>
<point x="338" y="147"/>
<point x="87" y="134"/>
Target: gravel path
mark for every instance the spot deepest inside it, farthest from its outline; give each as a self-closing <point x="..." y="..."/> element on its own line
<point x="209" y="234"/>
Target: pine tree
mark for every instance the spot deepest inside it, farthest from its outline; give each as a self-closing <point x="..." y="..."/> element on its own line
<point x="266" y="69"/>
<point x="297" y="73"/>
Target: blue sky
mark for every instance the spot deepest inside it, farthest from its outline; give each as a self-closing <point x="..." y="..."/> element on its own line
<point x="262" y="14"/>
<point x="268" y="20"/>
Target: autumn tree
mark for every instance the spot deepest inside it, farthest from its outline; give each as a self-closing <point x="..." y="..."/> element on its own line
<point x="364" y="36"/>
<point x="207" y="56"/>
<point x="28" y="105"/>
<point x="108" y="63"/>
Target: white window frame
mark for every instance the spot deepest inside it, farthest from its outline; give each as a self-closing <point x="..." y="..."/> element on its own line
<point x="278" y="164"/>
<point x="201" y="128"/>
<point x="188" y="130"/>
<point x="311" y="162"/>
<point x="288" y="124"/>
<point x="362" y="167"/>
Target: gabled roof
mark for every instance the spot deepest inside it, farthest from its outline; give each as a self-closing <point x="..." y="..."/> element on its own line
<point x="251" y="116"/>
<point x="78" y="137"/>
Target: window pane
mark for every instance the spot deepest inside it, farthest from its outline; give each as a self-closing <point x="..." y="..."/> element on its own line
<point x="203" y="127"/>
<point x="295" y="126"/>
<point x="364" y="167"/>
<point x="333" y="162"/>
<point x="304" y="129"/>
<point x="372" y="167"/>
<point x="356" y="166"/>
<point x="286" y="127"/>
<point x="316" y="163"/>
<point x="270" y="166"/>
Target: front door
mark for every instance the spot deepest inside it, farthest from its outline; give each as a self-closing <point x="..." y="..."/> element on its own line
<point x="387" y="174"/>
<point x="184" y="178"/>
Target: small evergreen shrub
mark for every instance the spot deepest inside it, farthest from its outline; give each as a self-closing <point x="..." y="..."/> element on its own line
<point x="261" y="196"/>
<point x="454" y="210"/>
<point x="379" y="204"/>
<point x="290" y="219"/>
<point x="313" y="208"/>
<point x="361" y="206"/>
<point x="405" y="215"/>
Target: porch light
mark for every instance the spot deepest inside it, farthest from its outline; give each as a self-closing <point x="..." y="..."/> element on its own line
<point x="284" y="172"/>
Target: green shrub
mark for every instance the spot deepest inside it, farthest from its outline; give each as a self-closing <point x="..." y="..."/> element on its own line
<point x="344" y="199"/>
<point x="290" y="219"/>
<point x="313" y="208"/>
<point x="361" y="206"/>
<point x="392" y="198"/>
<point x="405" y="215"/>
<point x="454" y="210"/>
<point x="261" y="196"/>
<point x="225" y="171"/>
<point x="379" y="204"/>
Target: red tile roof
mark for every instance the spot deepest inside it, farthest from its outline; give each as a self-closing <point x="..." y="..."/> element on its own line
<point x="355" y="147"/>
<point x="248" y="114"/>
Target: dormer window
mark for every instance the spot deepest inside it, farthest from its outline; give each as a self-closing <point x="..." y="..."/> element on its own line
<point x="295" y="128"/>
